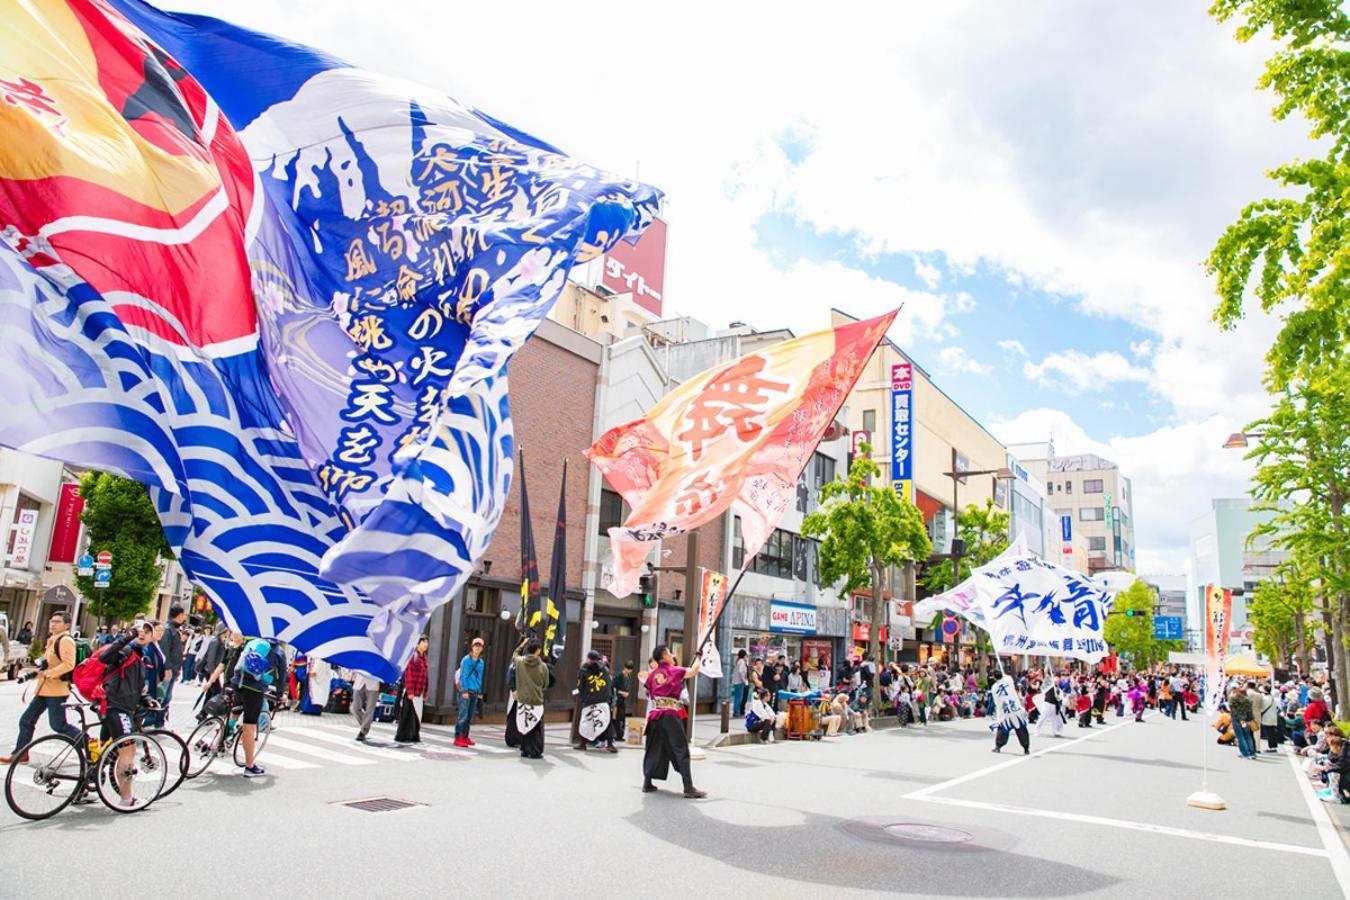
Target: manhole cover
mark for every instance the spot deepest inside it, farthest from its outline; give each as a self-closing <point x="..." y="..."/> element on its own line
<point x="380" y="804"/>
<point x="931" y="834"/>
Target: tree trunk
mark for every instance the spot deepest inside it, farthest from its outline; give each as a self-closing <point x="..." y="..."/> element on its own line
<point x="1301" y="639"/>
<point x="1341" y="610"/>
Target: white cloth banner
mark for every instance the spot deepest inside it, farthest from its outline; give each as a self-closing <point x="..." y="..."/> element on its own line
<point x="1029" y="605"/>
<point x="710" y="662"/>
<point x="1009" y="711"/>
<point x="594" y="721"/>
<point x="527" y="717"/>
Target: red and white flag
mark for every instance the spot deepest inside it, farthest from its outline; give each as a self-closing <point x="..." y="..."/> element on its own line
<point x="737" y="436"/>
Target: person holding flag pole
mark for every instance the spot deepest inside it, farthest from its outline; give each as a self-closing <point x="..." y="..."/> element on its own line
<point x="666" y="744"/>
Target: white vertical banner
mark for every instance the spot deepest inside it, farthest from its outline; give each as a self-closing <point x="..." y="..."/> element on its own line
<point x="24" y="529"/>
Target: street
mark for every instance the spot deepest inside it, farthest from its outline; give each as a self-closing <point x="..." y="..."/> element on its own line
<point x="1096" y="813"/>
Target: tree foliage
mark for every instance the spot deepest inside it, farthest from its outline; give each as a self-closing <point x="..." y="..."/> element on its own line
<point x="1131" y="636"/>
<point x="1279" y="611"/>
<point x="1291" y="251"/>
<point x="121" y="520"/>
<point x="865" y="529"/>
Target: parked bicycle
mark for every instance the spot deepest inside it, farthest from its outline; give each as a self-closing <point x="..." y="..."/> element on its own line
<point x="219" y="733"/>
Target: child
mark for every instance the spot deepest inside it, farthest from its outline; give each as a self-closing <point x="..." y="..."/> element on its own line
<point x="1083" y="706"/>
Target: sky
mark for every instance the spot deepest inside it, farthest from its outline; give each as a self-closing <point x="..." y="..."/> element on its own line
<point x="1037" y="183"/>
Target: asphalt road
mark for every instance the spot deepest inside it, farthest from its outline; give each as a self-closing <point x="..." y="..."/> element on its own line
<point x="1097" y="813"/>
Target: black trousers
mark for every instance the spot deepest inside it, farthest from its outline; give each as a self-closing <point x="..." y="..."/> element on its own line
<point x="1023" y="737"/>
<point x="763" y="728"/>
<point x="666" y="746"/>
<point x="532" y="742"/>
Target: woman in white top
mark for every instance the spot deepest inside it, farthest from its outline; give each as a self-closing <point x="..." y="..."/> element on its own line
<point x="763" y="718"/>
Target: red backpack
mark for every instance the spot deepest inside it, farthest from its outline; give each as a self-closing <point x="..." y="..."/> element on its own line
<point x="89" y="677"/>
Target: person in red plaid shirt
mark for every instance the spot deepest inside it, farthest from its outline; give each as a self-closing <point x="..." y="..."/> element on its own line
<point x="414" y="694"/>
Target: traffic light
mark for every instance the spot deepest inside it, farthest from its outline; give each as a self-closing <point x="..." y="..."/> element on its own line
<point x="647" y="587"/>
<point x="1134" y="612"/>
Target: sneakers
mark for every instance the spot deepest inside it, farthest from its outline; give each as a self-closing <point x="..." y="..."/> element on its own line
<point x="612" y="749"/>
<point x="649" y="788"/>
<point x="361" y="738"/>
<point x="9" y="759"/>
<point x="695" y="795"/>
<point x="254" y="771"/>
<point x="468" y="741"/>
<point x="462" y="742"/>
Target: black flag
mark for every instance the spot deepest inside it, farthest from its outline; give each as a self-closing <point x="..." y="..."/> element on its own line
<point x="528" y="617"/>
<point x="557" y="579"/>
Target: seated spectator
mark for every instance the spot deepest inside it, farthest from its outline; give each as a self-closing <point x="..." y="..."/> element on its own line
<point x="839" y="716"/>
<point x="761" y="720"/>
<point x="861" y="722"/>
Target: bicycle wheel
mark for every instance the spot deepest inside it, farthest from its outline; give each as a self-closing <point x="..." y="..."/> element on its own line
<point x="53" y="777"/>
<point x="264" y="731"/>
<point x="204" y="745"/>
<point x="175" y="756"/>
<point x="125" y="782"/>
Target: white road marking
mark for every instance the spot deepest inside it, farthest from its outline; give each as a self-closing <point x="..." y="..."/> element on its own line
<point x="1124" y="823"/>
<point x="1335" y="848"/>
<point x="272" y="759"/>
<point x="923" y="793"/>
<point x="349" y="744"/>
<point x="320" y="752"/>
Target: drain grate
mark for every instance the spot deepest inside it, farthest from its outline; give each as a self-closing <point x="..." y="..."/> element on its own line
<point x="380" y="804"/>
<point x="930" y="834"/>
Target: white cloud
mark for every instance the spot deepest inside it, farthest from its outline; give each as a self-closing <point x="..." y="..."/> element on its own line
<point x="1141" y="348"/>
<point x="954" y="361"/>
<point x="1013" y="346"/>
<point x="929" y="275"/>
<point x="1077" y="372"/>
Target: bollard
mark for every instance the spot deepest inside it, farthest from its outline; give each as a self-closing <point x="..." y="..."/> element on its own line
<point x="726" y="717"/>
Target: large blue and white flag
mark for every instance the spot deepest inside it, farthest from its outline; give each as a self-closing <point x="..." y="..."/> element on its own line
<point x="281" y="292"/>
<point x="1029" y="605"/>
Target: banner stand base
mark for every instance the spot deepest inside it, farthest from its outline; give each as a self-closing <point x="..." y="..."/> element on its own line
<point x="696" y="752"/>
<point x="1206" y="799"/>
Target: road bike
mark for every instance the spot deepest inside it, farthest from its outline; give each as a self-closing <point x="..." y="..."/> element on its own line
<point x="218" y="735"/>
<point x="128" y="773"/>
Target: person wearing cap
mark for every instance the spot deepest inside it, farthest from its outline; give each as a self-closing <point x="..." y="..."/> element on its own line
<point x="1316" y="710"/>
<point x="595" y="685"/>
<point x="469" y="684"/>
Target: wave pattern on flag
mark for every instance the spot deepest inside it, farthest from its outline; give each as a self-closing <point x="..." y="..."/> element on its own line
<point x="282" y="292"/>
<point x="1029" y="605"/>
<point x="736" y="436"/>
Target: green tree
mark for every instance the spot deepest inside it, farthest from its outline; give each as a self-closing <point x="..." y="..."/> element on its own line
<point x="1290" y="251"/>
<point x="1279" y="611"/>
<point x="121" y="520"/>
<point x="865" y="529"/>
<point x="1129" y="628"/>
<point x="1303" y="480"/>
<point x="985" y="531"/>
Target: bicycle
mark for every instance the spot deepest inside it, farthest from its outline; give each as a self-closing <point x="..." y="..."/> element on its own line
<point x="217" y="734"/>
<point x="128" y="773"/>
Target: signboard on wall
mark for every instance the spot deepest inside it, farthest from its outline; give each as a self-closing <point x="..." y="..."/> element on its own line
<point x="792" y="618"/>
<point x="639" y="269"/>
<point x="66" y="528"/>
<point x="902" y="423"/>
<point x="25" y="526"/>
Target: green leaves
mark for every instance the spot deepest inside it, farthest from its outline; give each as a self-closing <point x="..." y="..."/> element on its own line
<point x="985" y="531"/>
<point x="863" y="526"/>
<point x="1131" y="636"/>
<point x="120" y="519"/>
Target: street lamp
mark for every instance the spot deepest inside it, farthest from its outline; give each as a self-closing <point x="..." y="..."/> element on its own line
<point x="1239" y="440"/>
<point x="956" y="474"/>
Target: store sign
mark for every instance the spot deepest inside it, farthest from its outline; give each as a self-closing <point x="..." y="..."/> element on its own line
<point x="902" y="423"/>
<point x="793" y="618"/>
<point x="1066" y="532"/>
<point x="862" y="632"/>
<point x="856" y="441"/>
<point x="24" y="528"/>
<point x="66" y="528"/>
<point x="639" y="269"/>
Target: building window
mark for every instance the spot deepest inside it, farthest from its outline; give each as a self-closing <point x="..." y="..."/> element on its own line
<point x="612" y="510"/>
<point x="1092" y="486"/>
<point x="870" y="421"/>
<point x="1092" y="514"/>
<point x="822" y="470"/>
<point x="483" y="600"/>
<point x="1097" y="543"/>
<point x="1068" y="487"/>
<point x="1049" y="487"/>
<point x="774" y="558"/>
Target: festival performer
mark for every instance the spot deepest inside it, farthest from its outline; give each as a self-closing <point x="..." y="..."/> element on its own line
<point x="533" y="678"/>
<point x="415" y="681"/>
<point x="1053" y="713"/>
<point x="1138" y="701"/>
<point x="1023" y="737"/>
<point x="666" y="744"/>
<point x="595" y="686"/>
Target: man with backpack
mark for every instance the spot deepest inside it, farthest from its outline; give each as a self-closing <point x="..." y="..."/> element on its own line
<point x="124" y="692"/>
<point x="258" y="675"/>
<point x="53" y="686"/>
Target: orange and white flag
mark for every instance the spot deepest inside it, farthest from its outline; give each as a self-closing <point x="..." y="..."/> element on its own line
<point x="737" y="436"/>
